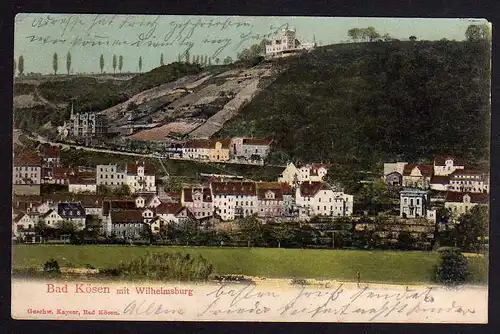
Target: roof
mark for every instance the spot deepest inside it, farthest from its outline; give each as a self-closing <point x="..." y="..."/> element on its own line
<point x="426" y="170"/>
<point x="114" y="205"/>
<point x="81" y="180"/>
<point x="234" y="188"/>
<point x="438" y="179"/>
<point x="207" y="143"/>
<point x="62" y="172"/>
<point x="148" y="168"/>
<point x="169" y="208"/>
<point x="278" y="194"/>
<point x="46" y="214"/>
<point x="48" y="151"/>
<point x="70" y="210"/>
<point x="458" y="197"/>
<point x="257" y="141"/>
<point x="440" y="160"/>
<point x="127" y="216"/>
<point x="27" y="160"/>
<point x="188" y="194"/>
<point x="311" y="188"/>
<point x="467" y="172"/>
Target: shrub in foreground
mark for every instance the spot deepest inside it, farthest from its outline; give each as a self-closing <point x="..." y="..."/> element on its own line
<point x="453" y="267"/>
<point x="168" y="266"/>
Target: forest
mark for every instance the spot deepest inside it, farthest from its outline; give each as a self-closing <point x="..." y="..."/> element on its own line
<point x="358" y="105"/>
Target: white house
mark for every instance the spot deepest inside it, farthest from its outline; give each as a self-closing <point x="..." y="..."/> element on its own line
<point x="447" y="164"/>
<point x="413" y="203"/>
<point x="286" y="42"/>
<point x="147" y="201"/>
<point x="234" y="199"/>
<point x="198" y="149"/>
<point x="140" y="177"/>
<point x="51" y="218"/>
<point x="23" y="223"/>
<point x="416" y="175"/>
<point x="460" y="202"/>
<point x="464" y="180"/>
<point x="73" y="212"/>
<point x="315" y="198"/>
<point x="199" y="201"/>
<point x="440" y="183"/>
<point x="77" y="184"/>
<point x="250" y="149"/>
<point x="110" y="175"/>
<point x="172" y="213"/>
<point x="294" y="175"/>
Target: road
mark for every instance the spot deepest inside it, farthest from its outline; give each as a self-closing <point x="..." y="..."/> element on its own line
<point x="91" y="149"/>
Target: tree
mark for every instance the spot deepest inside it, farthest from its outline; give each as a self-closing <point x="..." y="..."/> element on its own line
<point x="472" y="228"/>
<point x="103" y="190"/>
<point x="405" y="241"/>
<point x="193" y="59"/>
<point x="197" y="59"/>
<point x="179" y="58"/>
<point x="101" y="63"/>
<point x="114" y="63"/>
<point x="413" y="38"/>
<point x="251" y="229"/>
<point x="228" y="60"/>
<point x="209" y="62"/>
<point x="217" y="60"/>
<point x="354" y="33"/>
<point x="187" y="56"/>
<point x="140" y="64"/>
<point x="161" y="60"/>
<point x="123" y="190"/>
<point x="453" y="268"/>
<point x="475" y="33"/>
<point x="371" y="34"/>
<point x="68" y="62"/>
<point x="281" y="232"/>
<point x="55" y="63"/>
<point x="14" y="67"/>
<point x="120" y="63"/>
<point x="20" y="66"/>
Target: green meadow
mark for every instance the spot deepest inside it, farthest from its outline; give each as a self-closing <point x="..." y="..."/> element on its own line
<point x="373" y="266"/>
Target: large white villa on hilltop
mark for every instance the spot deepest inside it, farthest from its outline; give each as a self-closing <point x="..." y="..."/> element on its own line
<point x="286" y="43"/>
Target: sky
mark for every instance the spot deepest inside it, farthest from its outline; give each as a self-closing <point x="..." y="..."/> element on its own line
<point x="88" y="36"/>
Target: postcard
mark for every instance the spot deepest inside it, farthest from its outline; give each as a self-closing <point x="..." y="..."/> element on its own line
<point x="239" y="168"/>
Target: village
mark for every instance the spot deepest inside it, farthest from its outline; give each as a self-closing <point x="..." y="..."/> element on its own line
<point x="124" y="203"/>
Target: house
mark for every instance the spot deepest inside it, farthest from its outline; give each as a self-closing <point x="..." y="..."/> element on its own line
<point x="447" y="164"/>
<point x="197" y="149"/>
<point x="413" y="203"/>
<point x="461" y="202"/>
<point x="286" y="43"/>
<point x="466" y="180"/>
<point x="51" y="218"/>
<point x="51" y="155"/>
<point x="73" y="212"/>
<point x="116" y="205"/>
<point x="147" y="201"/>
<point x="290" y="175"/>
<point x="270" y="199"/>
<point x="199" y="201"/>
<point x="126" y="224"/>
<point x="314" y="198"/>
<point x="148" y="215"/>
<point x="394" y="179"/>
<point x="140" y="177"/>
<point x="250" y="149"/>
<point x="79" y="184"/>
<point x="91" y="203"/>
<point x="440" y="182"/>
<point x="172" y="213"/>
<point x="294" y="175"/>
<point x="234" y="199"/>
<point x="219" y="150"/>
<point x="86" y="125"/>
<point x="23" y="224"/>
<point x="57" y="175"/>
<point x="27" y="173"/>
<point x="419" y="176"/>
<point x="110" y="175"/>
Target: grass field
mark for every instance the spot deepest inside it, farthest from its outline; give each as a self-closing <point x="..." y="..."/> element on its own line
<point x="376" y="266"/>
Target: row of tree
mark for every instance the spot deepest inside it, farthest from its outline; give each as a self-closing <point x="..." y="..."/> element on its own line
<point x="468" y="235"/>
<point x="117" y="62"/>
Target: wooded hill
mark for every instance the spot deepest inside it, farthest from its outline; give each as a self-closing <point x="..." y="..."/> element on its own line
<point x="358" y="105"/>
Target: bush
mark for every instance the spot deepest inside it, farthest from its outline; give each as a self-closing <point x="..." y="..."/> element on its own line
<point x="168" y="266"/>
<point x="51" y="267"/>
<point x="453" y="268"/>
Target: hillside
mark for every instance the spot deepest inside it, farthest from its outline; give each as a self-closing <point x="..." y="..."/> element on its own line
<point x="47" y="98"/>
<point x="357" y="105"/>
